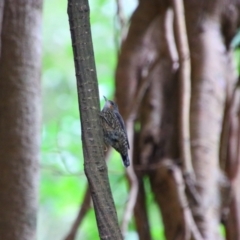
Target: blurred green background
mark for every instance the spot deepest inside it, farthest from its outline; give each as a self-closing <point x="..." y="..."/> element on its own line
<point x="63" y="181"/>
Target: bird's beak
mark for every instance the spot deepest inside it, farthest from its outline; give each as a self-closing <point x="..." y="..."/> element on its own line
<point x="105" y="98"/>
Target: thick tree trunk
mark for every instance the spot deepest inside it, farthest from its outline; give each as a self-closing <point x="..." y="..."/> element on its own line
<point x="149" y="51"/>
<point x="209" y="87"/>
<point x="19" y="117"/>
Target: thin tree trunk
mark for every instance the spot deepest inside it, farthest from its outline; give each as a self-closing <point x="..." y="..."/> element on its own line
<point x="94" y="164"/>
<point x="19" y="118"/>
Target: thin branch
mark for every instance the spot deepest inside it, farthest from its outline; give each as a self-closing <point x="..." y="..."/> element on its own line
<point x="85" y="206"/>
<point x="120" y="14"/>
<point x="140" y="208"/>
<point x="133" y="182"/>
<point x="120" y="25"/>
<point x="185" y="87"/>
<point x="230" y="138"/>
<point x="131" y="176"/>
<point x="144" y="84"/>
<point x="238" y="144"/>
<point x="232" y="161"/>
<point x="191" y="230"/>
<point x="141" y="215"/>
<point x="228" y="114"/>
<point x="233" y="222"/>
<point x="169" y="38"/>
<point x="122" y="20"/>
<point x="191" y="190"/>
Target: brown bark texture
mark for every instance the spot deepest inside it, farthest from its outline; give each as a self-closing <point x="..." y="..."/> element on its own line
<point x="20" y="65"/>
<point x="188" y="142"/>
<point x="92" y="136"/>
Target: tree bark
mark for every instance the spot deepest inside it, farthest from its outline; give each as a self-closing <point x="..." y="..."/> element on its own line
<point x="152" y="39"/>
<point x="207" y="108"/>
<point x="20" y="63"/>
<point x="92" y="136"/>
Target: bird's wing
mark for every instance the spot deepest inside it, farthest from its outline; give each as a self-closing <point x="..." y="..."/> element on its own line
<point x="106" y="120"/>
<point x="119" y="117"/>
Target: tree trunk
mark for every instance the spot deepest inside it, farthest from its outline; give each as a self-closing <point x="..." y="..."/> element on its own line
<point x="152" y="50"/>
<point x="92" y="136"/>
<point x="20" y="63"/>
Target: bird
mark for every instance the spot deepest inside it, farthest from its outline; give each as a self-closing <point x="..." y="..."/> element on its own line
<point x="114" y="130"/>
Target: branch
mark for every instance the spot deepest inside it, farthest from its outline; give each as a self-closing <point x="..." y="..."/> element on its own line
<point x="120" y="14"/>
<point x="190" y="224"/>
<point x="133" y="182"/>
<point x="230" y="142"/>
<point x="120" y="26"/>
<point x="185" y="87"/>
<point x="85" y="206"/>
<point x="144" y="84"/>
<point x="131" y="176"/>
<point x="190" y="230"/>
<point x="140" y="212"/>
<point x="94" y="165"/>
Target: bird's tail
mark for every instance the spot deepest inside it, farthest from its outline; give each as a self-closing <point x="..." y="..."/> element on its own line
<point x="126" y="160"/>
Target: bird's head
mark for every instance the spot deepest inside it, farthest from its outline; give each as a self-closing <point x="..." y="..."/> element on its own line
<point x="110" y="104"/>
